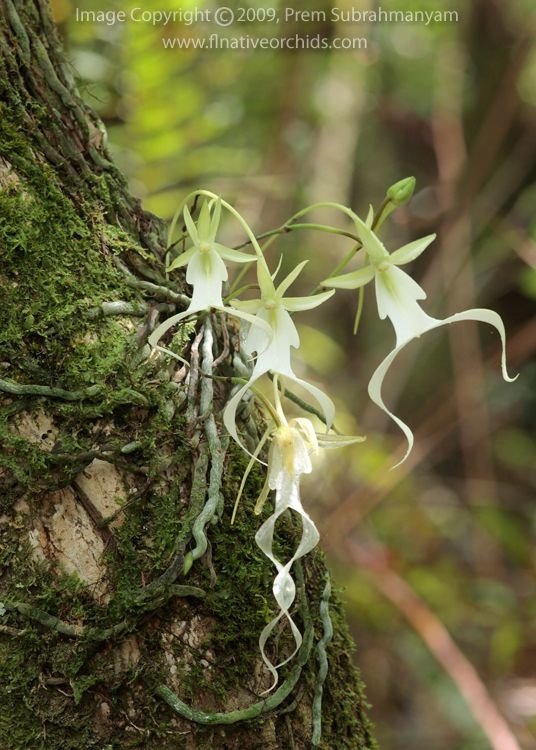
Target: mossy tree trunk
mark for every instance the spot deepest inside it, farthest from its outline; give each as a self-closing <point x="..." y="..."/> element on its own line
<point x="115" y="468"/>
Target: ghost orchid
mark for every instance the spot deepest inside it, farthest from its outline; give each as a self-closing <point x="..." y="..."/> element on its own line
<point x="292" y="445"/>
<point x="274" y="349"/>
<point x="293" y="442"/>
<point x="205" y="267"/>
<point x="397" y="296"/>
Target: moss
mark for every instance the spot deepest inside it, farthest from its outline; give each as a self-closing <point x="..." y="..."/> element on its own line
<point x="344" y="711"/>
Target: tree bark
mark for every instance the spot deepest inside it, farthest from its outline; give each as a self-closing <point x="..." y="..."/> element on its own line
<point x="116" y="473"/>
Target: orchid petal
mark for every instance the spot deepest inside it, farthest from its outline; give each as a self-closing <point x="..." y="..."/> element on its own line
<point x="229" y="413"/>
<point x="338" y="441"/>
<point x="482" y="315"/>
<point x="235" y="256"/>
<point x="204" y="224"/>
<point x="206" y="271"/>
<point x="326" y="404"/>
<point x="297" y="304"/>
<point x="411" y="251"/>
<point x="478" y="315"/>
<point x="373" y="246"/>
<point x="190" y="225"/>
<point x="352" y="280"/>
<point x="291" y="278"/>
<point x="256" y="339"/>
<point x="253" y="320"/>
<point x="265" y="280"/>
<point x="182" y="259"/>
<point x="370" y="216"/>
<point x="284" y="475"/>
<point x="158" y="332"/>
<point x="396" y="297"/>
<point x="278" y="267"/>
<point x="375" y="393"/>
<point x="215" y="221"/>
<point x="285" y="336"/>
<point x="305" y="426"/>
<point x="248" y="305"/>
<point x="163" y="350"/>
<point x="262" y="498"/>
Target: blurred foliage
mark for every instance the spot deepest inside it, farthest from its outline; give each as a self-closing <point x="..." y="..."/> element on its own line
<point x="452" y="104"/>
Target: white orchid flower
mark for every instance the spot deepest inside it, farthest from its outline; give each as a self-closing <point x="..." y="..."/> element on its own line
<point x="397" y="296"/>
<point x="206" y="270"/>
<point x="293" y="443"/>
<point x="274" y="349"/>
<point x="290" y="452"/>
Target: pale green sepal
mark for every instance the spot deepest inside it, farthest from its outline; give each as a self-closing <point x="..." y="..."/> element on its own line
<point x="263" y="497"/>
<point x="163" y="350"/>
<point x="352" y="280"/>
<point x="246" y="305"/>
<point x="158" y="332"/>
<point x="297" y="304"/>
<point x="265" y="280"/>
<point x="215" y="221"/>
<point x="254" y="320"/>
<point x="235" y="256"/>
<point x="252" y="461"/>
<point x="278" y="268"/>
<point x="305" y="426"/>
<point x="326" y="404"/>
<point x="372" y="245"/>
<point x="338" y="441"/>
<point x="190" y="225"/>
<point x="370" y="216"/>
<point x="411" y="251"/>
<point x="182" y="259"/>
<point x="291" y="278"/>
<point x="204" y="223"/>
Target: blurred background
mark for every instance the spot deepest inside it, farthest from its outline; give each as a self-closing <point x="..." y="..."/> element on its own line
<point x="435" y="559"/>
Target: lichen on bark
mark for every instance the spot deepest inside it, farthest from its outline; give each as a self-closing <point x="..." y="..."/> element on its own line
<point x="106" y="458"/>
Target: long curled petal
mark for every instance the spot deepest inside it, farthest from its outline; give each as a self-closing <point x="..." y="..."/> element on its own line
<point x="284" y="588"/>
<point x="375" y="384"/>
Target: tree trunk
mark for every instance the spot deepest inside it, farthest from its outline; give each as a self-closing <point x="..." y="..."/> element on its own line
<point x="115" y="468"/>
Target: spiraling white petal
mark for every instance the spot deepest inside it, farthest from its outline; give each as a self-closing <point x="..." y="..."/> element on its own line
<point x="482" y="315"/>
<point x="289" y="459"/>
<point x="375" y="393"/>
<point x="375" y="384"/>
